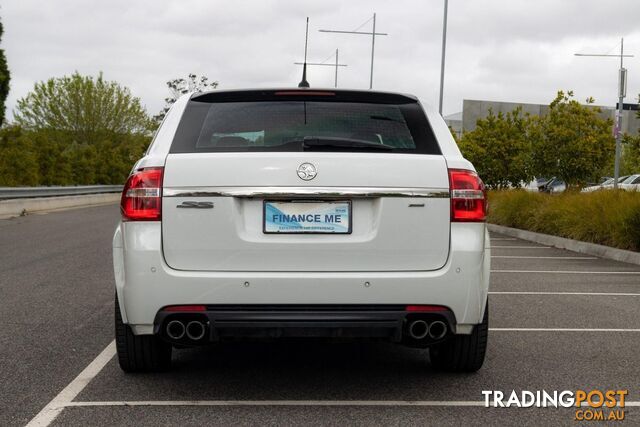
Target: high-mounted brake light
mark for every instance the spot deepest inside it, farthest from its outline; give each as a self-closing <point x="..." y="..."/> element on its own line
<point x="142" y="196"/>
<point x="304" y="93"/>
<point x="468" y="198"/>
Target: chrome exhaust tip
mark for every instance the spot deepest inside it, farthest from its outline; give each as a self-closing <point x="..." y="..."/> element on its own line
<point x="175" y="329"/>
<point x="195" y="330"/>
<point x="418" y="329"/>
<point x="437" y="329"/>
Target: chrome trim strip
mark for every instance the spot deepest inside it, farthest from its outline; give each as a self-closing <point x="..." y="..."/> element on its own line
<point x="296" y="192"/>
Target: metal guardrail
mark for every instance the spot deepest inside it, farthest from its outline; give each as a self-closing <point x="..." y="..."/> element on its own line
<point x="7" y="193"/>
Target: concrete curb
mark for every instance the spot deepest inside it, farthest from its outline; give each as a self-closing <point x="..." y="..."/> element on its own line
<point x="18" y="207"/>
<point x="569" y="244"/>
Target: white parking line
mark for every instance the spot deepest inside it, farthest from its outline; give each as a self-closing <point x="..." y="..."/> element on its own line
<point x="564" y="272"/>
<point x="520" y="247"/>
<point x="495" y="239"/>
<point x="562" y="330"/>
<point x="64" y="399"/>
<point x="53" y="408"/>
<point x="282" y="403"/>
<point x="544" y="257"/>
<point x="450" y="403"/>
<point x="590" y="294"/>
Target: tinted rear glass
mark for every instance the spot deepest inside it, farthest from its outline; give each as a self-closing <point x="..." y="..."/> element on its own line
<point x="254" y="126"/>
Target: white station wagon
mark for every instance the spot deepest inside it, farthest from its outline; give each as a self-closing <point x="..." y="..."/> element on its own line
<point x="302" y="213"/>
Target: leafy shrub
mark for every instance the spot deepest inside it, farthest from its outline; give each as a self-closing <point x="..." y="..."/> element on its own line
<point x="45" y="157"/>
<point x="607" y="217"/>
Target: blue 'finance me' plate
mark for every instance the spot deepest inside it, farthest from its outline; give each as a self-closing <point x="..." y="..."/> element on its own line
<point x="307" y="217"/>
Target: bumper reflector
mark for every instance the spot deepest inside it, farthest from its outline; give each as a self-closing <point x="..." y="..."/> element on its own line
<point x="425" y="308"/>
<point x="185" y="308"/>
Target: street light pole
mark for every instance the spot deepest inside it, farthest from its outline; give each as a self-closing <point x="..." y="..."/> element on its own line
<point x="622" y="80"/>
<point x="444" y="47"/>
<point x="622" y="89"/>
<point x="373" y="35"/>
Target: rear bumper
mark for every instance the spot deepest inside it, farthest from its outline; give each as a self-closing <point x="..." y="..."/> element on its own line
<point x="389" y="322"/>
<point x="145" y="284"/>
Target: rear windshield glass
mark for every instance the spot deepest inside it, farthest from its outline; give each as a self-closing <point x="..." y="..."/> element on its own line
<point x="294" y="125"/>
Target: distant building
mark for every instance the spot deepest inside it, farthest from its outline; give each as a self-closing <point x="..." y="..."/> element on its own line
<point x="472" y="110"/>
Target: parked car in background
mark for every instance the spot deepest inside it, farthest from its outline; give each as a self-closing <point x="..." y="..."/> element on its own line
<point x="607" y="185"/>
<point x="594" y="187"/>
<point x="535" y="184"/>
<point x="553" y="185"/>
<point x="632" y="183"/>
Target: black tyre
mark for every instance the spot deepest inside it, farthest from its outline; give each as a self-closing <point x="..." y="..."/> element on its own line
<point x="139" y="353"/>
<point x="463" y="353"/>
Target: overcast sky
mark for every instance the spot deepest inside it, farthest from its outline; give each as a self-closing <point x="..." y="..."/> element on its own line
<point x="508" y="50"/>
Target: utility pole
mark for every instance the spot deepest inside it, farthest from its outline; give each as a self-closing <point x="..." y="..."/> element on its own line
<point x="373" y="35"/>
<point x="444" y="47"/>
<point x="622" y="92"/>
<point x="336" y="65"/>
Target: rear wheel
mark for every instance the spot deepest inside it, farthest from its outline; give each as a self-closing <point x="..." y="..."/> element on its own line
<point x="139" y="353"/>
<point x="463" y="353"/>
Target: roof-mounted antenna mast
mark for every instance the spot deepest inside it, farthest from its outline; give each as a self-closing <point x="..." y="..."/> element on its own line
<point x="304" y="82"/>
<point x="323" y="63"/>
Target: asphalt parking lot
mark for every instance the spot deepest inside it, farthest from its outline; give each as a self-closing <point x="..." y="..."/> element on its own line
<point x="559" y="321"/>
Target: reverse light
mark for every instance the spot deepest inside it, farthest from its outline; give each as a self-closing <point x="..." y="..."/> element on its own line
<point x="142" y="196"/>
<point x="468" y="198"/>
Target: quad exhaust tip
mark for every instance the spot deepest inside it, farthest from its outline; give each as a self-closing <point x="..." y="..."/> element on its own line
<point x="437" y="329"/>
<point x="195" y="330"/>
<point x="175" y="329"/>
<point x="418" y="329"/>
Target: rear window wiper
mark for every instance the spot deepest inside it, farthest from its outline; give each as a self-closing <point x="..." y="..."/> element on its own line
<point x="326" y="141"/>
<point x="387" y="119"/>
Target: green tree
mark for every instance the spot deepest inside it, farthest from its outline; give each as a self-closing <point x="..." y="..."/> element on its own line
<point x="117" y="157"/>
<point x="499" y="149"/>
<point x="5" y="77"/>
<point x="179" y="87"/>
<point x="79" y="130"/>
<point x="18" y="161"/>
<point x="84" y="108"/>
<point x="83" y="158"/>
<point x="630" y="161"/>
<point x="54" y="157"/>
<point x="571" y="142"/>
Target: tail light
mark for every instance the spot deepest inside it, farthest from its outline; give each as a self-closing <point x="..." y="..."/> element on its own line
<point x="142" y="196"/>
<point x="468" y="198"/>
